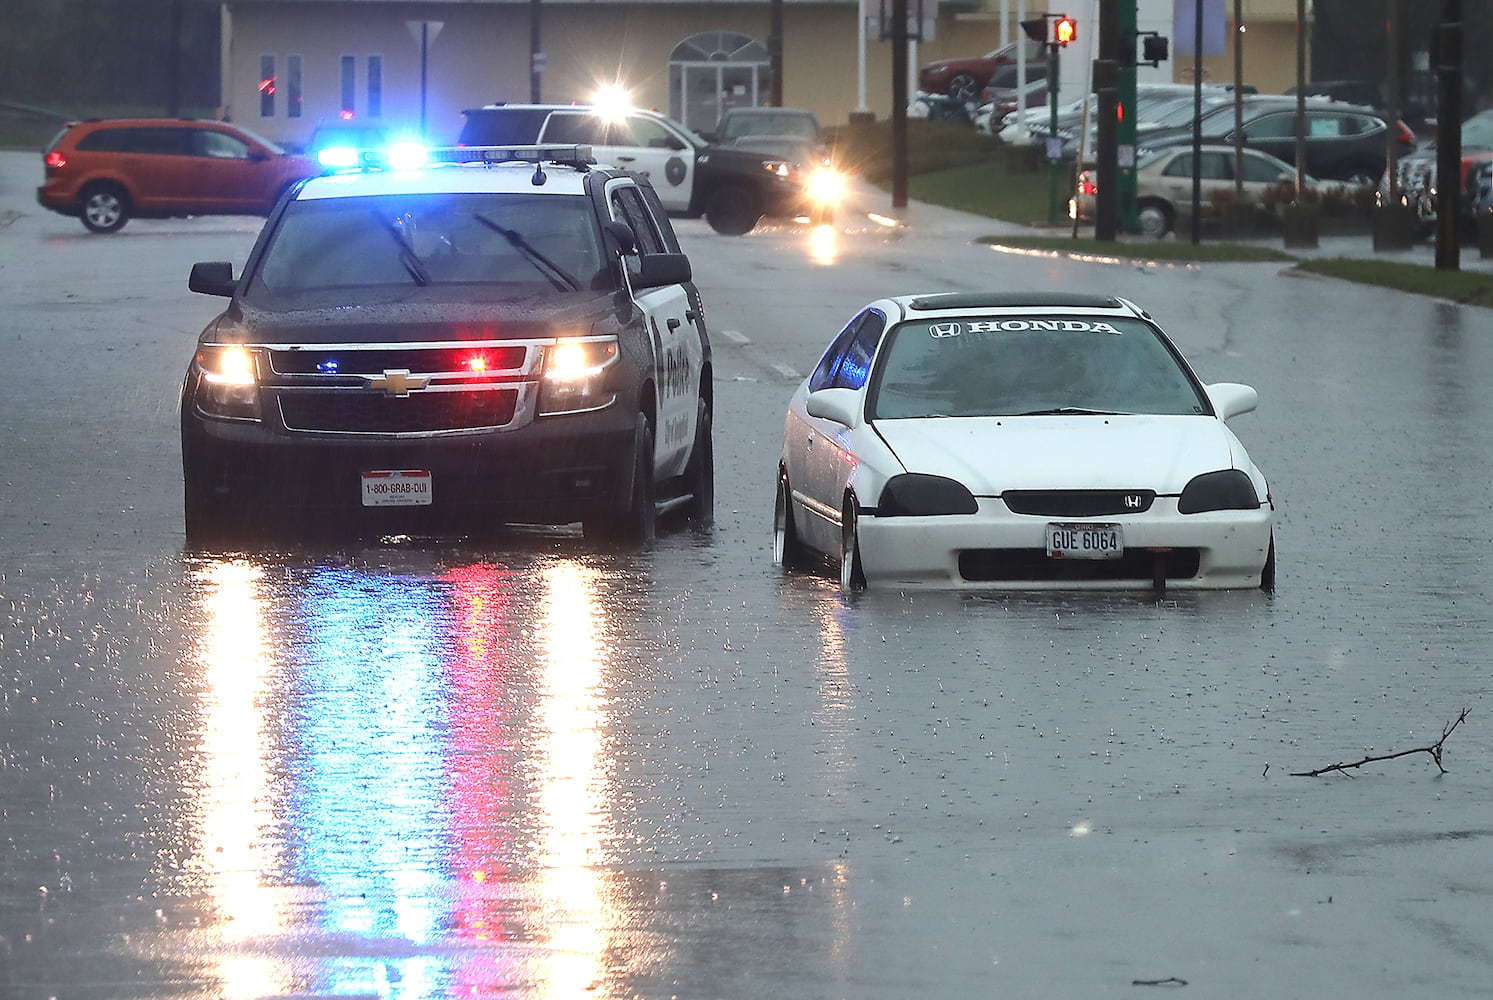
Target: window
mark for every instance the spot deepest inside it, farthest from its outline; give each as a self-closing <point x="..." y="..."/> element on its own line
<point x="628" y="206"/>
<point x="293" y="86"/>
<point x="349" y="85"/>
<point x="375" y="86"/>
<point x="267" y="84"/>
<point x="1216" y="166"/>
<point x="219" y="145"/>
<point x="1257" y="168"/>
<point x="579" y="128"/>
<point x="1281" y="126"/>
<point x="848" y="361"/>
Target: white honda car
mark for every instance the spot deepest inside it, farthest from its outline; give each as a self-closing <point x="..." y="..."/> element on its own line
<point x="1019" y="441"/>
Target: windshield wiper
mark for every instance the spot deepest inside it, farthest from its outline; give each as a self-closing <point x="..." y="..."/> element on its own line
<point x="562" y="279"/>
<point x="407" y="256"/>
<point x="1068" y="410"/>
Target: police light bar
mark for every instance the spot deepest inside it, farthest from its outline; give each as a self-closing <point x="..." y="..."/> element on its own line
<point x="573" y="155"/>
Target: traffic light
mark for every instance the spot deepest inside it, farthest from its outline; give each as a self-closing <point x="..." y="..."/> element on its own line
<point x="1063" y="29"/>
<point x="1154" y="48"/>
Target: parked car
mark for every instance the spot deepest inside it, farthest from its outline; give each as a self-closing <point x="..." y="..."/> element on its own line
<point x="1418" y="175"/>
<point x="1018" y="440"/>
<point x="733" y="188"/>
<point x="108" y="171"/>
<point x="447" y="349"/>
<point x="1343" y="141"/>
<point x="1163" y="184"/>
<point x="964" y="78"/>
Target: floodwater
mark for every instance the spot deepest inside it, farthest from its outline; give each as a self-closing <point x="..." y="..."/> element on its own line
<point x="537" y="768"/>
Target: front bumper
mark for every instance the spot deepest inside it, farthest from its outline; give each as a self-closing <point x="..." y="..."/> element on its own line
<point x="998" y="550"/>
<point x="553" y="470"/>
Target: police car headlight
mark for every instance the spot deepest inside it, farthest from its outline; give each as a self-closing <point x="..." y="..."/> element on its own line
<point x="228" y="383"/>
<point x="915" y="494"/>
<point x="575" y="375"/>
<point x="825" y="185"/>
<point x="1227" y="489"/>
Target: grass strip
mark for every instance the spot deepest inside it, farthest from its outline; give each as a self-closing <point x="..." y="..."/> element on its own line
<point x="1474" y="288"/>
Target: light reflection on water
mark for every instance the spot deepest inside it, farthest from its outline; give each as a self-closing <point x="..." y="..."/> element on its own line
<point x="387" y="769"/>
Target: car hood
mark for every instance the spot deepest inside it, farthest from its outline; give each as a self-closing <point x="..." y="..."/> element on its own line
<point x="414" y="321"/>
<point x="992" y="454"/>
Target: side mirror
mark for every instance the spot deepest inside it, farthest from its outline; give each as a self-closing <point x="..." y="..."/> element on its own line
<point x="840" y="405"/>
<point x="212" y="277"/>
<point x="623" y="239"/>
<point x="656" y="269"/>
<point x="1230" y="399"/>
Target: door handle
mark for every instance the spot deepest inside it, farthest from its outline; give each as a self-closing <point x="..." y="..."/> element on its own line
<point x="673" y="323"/>
<point x="690" y="316"/>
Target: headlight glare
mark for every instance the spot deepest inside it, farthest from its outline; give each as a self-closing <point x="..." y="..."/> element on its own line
<point x="229" y="385"/>
<point x="1227" y="489"/>
<point x="575" y="375"/>
<point x="915" y="494"/>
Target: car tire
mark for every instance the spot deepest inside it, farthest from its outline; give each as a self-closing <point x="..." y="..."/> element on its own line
<point x="964" y="87"/>
<point x="852" y="575"/>
<point x="635" y="521"/>
<point x="210" y="521"/>
<point x="104" y="207"/>
<point x="732" y="210"/>
<point x="1267" y="573"/>
<point x="1155" y="218"/>
<point x="699" y="474"/>
<point x="788" y="551"/>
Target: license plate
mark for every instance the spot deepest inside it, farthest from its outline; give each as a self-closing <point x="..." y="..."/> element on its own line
<point x="396" y="488"/>
<point x="1085" y="541"/>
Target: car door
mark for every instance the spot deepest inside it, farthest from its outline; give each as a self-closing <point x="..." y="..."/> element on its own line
<point x="158" y="163"/>
<point x="675" y="344"/>
<point x="634" y="142"/>
<point x="1262" y="174"/>
<point x="226" y="176"/>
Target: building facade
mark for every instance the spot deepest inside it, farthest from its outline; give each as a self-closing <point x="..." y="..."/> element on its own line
<point x="413" y="65"/>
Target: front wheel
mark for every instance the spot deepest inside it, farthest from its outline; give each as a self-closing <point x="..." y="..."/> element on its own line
<point x="787" y="550"/>
<point x="699" y="474"/>
<point x="852" y="575"/>
<point x="104" y="208"/>
<point x="732" y="210"/>
<point x="634" y="522"/>
<point x="1267" y="574"/>
<point x="964" y="87"/>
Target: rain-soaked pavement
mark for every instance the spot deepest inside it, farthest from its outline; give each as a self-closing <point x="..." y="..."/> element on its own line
<point x="537" y="768"/>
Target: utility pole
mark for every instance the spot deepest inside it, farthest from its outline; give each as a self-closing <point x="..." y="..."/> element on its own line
<point x="899" y="103"/>
<point x="775" y="51"/>
<point x="1448" y="135"/>
<point x="1106" y="84"/>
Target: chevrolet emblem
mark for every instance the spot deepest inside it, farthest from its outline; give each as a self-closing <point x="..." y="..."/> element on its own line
<point x="398" y="381"/>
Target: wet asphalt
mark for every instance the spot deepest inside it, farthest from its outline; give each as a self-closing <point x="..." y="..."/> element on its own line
<point x="534" y="767"/>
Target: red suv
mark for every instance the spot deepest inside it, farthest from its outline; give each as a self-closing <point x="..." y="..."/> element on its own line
<point x="107" y="171"/>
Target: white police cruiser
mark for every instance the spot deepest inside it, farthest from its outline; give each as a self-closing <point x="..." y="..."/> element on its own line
<point x="499" y="335"/>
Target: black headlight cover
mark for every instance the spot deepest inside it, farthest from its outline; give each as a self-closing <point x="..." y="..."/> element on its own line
<point x="1227" y="489"/>
<point x="915" y="494"/>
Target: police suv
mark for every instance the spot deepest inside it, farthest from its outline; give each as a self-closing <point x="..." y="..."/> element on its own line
<point x="734" y="188"/>
<point x="509" y="335"/>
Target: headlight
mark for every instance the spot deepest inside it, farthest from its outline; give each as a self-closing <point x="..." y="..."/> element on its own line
<point x="778" y="168"/>
<point x="575" y="375"/>
<point x="1228" y="489"/>
<point x="825" y="185"/>
<point x="915" y="494"/>
<point x="228" y="385"/>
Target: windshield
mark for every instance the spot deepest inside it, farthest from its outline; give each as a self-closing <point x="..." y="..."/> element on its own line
<point x="523" y="242"/>
<point x="1009" y="365"/>
<point x="756" y="123"/>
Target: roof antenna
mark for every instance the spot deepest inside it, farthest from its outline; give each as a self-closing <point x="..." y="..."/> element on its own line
<point x="539" y="175"/>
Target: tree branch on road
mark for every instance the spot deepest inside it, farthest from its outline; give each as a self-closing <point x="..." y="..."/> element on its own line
<point x="1434" y="750"/>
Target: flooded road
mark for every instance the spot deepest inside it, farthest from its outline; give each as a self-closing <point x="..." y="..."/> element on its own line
<point x="538" y="767"/>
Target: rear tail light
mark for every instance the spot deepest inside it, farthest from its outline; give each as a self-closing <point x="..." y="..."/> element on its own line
<point x="55" y="160"/>
<point x="1404" y="136"/>
<point x="1086" y="185"/>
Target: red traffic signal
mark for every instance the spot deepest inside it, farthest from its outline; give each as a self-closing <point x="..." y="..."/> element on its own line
<point x="1063" y="30"/>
